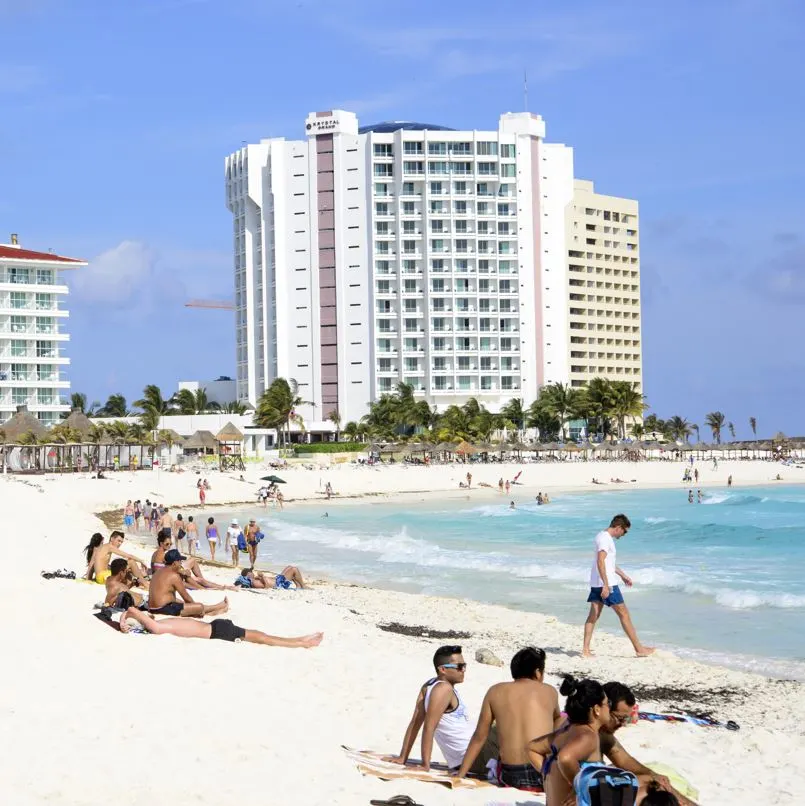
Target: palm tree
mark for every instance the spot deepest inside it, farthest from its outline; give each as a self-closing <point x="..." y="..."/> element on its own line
<point x="275" y="408"/>
<point x="732" y="430"/>
<point x="679" y="428"/>
<point x="559" y="399"/>
<point x="335" y="418"/>
<point x="153" y="406"/>
<point x="115" y="406"/>
<point x="78" y="402"/>
<point x="715" y="422"/>
<point x="696" y="429"/>
<point x="185" y="401"/>
<point x="234" y="407"/>
<point x="515" y="412"/>
<point x="96" y="435"/>
<point x="351" y="431"/>
<point x="626" y="401"/>
<point x="637" y="430"/>
<point x="753" y="425"/>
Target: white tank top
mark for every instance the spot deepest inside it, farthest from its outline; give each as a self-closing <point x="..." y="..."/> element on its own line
<point x="453" y="731"/>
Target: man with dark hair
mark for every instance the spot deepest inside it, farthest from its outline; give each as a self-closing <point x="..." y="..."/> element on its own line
<point x="101" y="557"/>
<point x="441" y="714"/>
<point x="167" y="582"/>
<point x="522" y="709"/>
<point x="621" y="702"/>
<point x="120" y="583"/>
<point x="604" y="592"/>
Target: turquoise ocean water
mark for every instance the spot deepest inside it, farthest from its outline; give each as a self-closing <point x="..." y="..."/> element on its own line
<point x="719" y="581"/>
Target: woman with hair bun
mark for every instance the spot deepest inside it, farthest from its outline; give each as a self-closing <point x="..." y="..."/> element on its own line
<point x="565" y="751"/>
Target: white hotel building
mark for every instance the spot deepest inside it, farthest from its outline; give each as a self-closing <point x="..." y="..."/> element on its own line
<point x="456" y="261"/>
<point x="32" y="332"/>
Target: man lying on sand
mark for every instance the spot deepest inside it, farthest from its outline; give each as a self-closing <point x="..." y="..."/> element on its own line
<point x="525" y="708"/>
<point x="621" y="702"/>
<point x="167" y="582"/>
<point x="121" y="582"/>
<point x="440" y="709"/>
<point x="249" y="578"/>
<point x="99" y="554"/>
<point x="221" y="629"/>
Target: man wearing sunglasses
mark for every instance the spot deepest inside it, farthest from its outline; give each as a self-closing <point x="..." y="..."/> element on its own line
<point x="604" y="588"/>
<point x="621" y="702"/>
<point x="442" y="716"/>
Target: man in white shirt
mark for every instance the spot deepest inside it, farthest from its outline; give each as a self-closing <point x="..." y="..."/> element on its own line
<point x="604" y="592"/>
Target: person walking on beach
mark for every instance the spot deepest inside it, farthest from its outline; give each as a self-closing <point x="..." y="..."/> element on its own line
<point x="202" y="494"/>
<point x="165" y="520"/>
<point x="250" y="533"/>
<point x="192" y="536"/>
<point x="603" y="592"/>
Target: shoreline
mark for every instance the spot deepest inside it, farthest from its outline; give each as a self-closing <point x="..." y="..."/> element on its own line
<point x="357" y="688"/>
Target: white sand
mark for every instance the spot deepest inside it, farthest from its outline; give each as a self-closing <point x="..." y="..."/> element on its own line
<point x="92" y="717"/>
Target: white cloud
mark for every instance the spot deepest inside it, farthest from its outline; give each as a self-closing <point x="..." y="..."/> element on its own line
<point x="117" y="274"/>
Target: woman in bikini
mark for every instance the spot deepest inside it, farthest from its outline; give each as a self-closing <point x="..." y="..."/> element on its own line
<point x="212" y="536"/>
<point x="564" y="752"/>
<point x="95" y="541"/>
<point x="163" y="544"/>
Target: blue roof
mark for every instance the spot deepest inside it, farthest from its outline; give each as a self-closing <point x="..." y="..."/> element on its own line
<point x="388" y="126"/>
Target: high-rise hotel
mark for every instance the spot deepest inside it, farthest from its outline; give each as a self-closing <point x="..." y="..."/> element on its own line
<point x="465" y="263"/>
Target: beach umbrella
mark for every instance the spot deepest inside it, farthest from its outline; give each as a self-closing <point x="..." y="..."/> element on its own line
<point x="274" y="479"/>
<point x="21" y="423"/>
<point x="536" y="447"/>
<point x="571" y="447"/>
<point x="552" y="446"/>
<point x="446" y="447"/>
<point x="465" y="448"/>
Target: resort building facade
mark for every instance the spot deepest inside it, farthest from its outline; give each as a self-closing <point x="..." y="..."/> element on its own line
<point x="33" y="334"/>
<point x="440" y="258"/>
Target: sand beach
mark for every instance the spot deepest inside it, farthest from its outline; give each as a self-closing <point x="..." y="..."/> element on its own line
<point x="91" y="716"/>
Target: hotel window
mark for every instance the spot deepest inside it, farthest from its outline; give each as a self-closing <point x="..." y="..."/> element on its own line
<point x="462" y="167"/>
<point x="413" y="167"/>
<point x="462" y="286"/>
<point x="437" y="245"/>
<point x="461" y="226"/>
<point x="411" y="365"/>
<point x="409" y="227"/>
<point x="45" y="397"/>
<point x="504" y="267"/>
<point x="409" y="247"/>
<point x="463" y="344"/>
<point x="440" y="364"/>
<point x="460" y="207"/>
<point x="507" y="364"/>
<point x="383" y="150"/>
<point x="382" y="266"/>
<point x="412" y="147"/>
<point x="438" y="167"/>
<point x="19" y="324"/>
<point x="461" y="245"/>
<point x="409" y="266"/>
<point x="507" y="150"/>
<point x="487" y="168"/>
<point x="382" y="227"/>
<point x="383" y="287"/>
<point x="483" y="286"/>
<point x="439" y="344"/>
<point x="461" y="148"/>
<point x="435" y="149"/>
<point x="46" y="372"/>
<point x="19" y="348"/>
<point x="505" y="287"/>
<point x="460" y="188"/>
<point x="44" y="302"/>
<point x="384" y="384"/>
<point x="438" y="324"/>
<point x="486" y="343"/>
<point x="464" y="384"/>
<point x="463" y="363"/>
<point x="436" y="188"/>
<point x="437" y="286"/>
<point x="462" y="304"/>
<point x="384" y="345"/>
<point x="483" y="305"/>
<point x="408" y="208"/>
<point x="383" y="306"/>
<point x="508" y="169"/>
<point x="384" y="325"/>
<point x="504" y="209"/>
<point x="506" y="345"/>
<point x="483" y="208"/>
<point x="437" y="304"/>
<point x="487" y="148"/>
<point x="486" y="364"/>
<point x="506" y="306"/>
<point x="484" y="325"/>
<point x="503" y="228"/>
<point x="384" y="365"/>
<point x="19" y="299"/>
<point x="19" y="395"/>
<point x="438" y="207"/>
<point x="409" y="306"/>
<point x="486" y="383"/>
<point x="507" y="383"/>
<point x="483" y="227"/>
<point x="409" y="287"/>
<point x="384" y="169"/>
<point x="483" y="266"/>
<point x="440" y="383"/>
<point x="410" y="345"/>
<point x="437" y="226"/>
<point x="462" y="264"/>
<point x="382" y="248"/>
<point x="19" y="372"/>
<point x="381" y="208"/>
<point x="17" y="275"/>
<point x="408" y="189"/>
<point x="506" y="190"/>
<point x="437" y="264"/>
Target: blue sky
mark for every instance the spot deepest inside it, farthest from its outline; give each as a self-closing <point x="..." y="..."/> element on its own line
<point x="118" y="117"/>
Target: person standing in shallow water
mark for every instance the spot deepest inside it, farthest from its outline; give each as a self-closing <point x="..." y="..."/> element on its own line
<point x="604" y="589"/>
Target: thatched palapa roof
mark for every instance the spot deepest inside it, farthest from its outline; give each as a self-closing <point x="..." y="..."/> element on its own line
<point x="201" y="441"/>
<point x="229" y="433"/>
<point x="21" y="423"/>
<point x="175" y="436"/>
<point x="79" y="421"/>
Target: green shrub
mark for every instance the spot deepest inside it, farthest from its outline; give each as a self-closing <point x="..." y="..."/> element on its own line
<point x="331" y="447"/>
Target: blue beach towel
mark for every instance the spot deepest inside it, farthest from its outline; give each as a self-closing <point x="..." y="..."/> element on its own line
<point x="598" y="784"/>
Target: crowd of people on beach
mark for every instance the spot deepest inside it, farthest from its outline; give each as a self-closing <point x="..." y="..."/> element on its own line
<point x="523" y="740"/>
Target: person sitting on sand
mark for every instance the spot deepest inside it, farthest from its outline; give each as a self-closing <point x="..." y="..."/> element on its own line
<point x="522" y="709"/>
<point x="560" y="755"/>
<point x="167" y="582"/>
<point x="220" y="629"/>
<point x="249" y="578"/>
<point x="121" y="582"/>
<point x="195" y="579"/>
<point x="621" y="703"/>
<point x="440" y="709"/>
<point x="99" y="555"/>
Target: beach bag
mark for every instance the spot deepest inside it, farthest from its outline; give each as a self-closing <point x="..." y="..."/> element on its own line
<point x="258" y="536"/>
<point x="242" y="543"/>
<point x="601" y="785"/>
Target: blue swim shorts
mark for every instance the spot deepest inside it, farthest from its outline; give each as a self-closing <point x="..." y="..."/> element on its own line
<point x="282" y="582"/>
<point x="615" y="596"/>
<point x="128" y="520"/>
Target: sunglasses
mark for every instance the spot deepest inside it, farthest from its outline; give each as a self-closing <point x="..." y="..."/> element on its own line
<point x="459" y="666"/>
